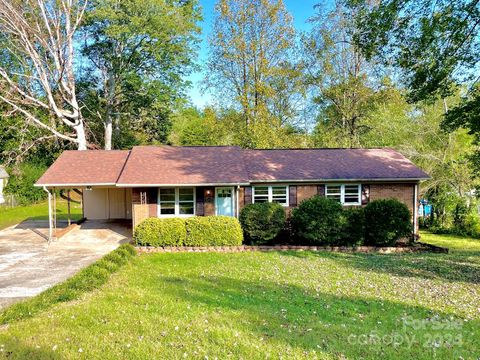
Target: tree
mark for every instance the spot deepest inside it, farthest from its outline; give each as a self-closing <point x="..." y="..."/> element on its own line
<point x="434" y="44"/>
<point x="415" y="130"/>
<point x="250" y="59"/>
<point x="138" y="52"/>
<point x="341" y="81"/>
<point x="37" y="78"/>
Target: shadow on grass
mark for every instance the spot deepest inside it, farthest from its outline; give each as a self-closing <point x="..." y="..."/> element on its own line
<point x="464" y="267"/>
<point x="333" y="325"/>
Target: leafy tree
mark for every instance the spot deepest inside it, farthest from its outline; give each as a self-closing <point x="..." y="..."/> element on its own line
<point x="341" y="81"/>
<point x="139" y="53"/>
<point x="193" y="127"/>
<point x="251" y="65"/>
<point x="435" y="44"/>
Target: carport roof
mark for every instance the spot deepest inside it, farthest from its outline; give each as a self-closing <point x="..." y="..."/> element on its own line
<point x="81" y="168"/>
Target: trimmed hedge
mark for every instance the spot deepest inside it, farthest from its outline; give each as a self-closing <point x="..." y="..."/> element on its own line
<point x="386" y="222"/>
<point x="353" y="227"/>
<point x="192" y="231"/>
<point x="262" y="222"/>
<point x="161" y="232"/>
<point x="213" y="231"/>
<point x="317" y="221"/>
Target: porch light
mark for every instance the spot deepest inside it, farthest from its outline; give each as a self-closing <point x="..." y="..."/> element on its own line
<point x="208" y="192"/>
<point x="88" y="188"/>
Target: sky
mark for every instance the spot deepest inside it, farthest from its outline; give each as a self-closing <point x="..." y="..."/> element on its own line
<point x="301" y="10"/>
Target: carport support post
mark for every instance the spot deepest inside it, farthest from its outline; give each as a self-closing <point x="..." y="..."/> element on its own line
<point x="55" y="211"/>
<point x="49" y="213"/>
<point x="68" y="206"/>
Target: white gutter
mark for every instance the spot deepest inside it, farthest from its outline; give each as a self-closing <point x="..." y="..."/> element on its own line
<point x="74" y="185"/>
<point x="182" y="185"/>
<point x="339" y="180"/>
<point x="252" y="182"/>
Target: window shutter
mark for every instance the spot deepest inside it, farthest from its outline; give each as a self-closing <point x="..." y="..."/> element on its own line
<point x="248" y="195"/>
<point x="321" y="190"/>
<point x="200" y="201"/>
<point x="365" y="194"/>
<point x="152" y="195"/>
<point x="292" y="196"/>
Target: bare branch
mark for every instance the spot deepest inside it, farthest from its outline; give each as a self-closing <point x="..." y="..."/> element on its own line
<point x="40" y="35"/>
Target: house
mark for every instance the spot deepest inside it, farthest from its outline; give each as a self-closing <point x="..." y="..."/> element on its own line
<point x="3" y="182"/>
<point x="167" y="181"/>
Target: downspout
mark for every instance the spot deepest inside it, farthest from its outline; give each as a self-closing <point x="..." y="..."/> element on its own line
<point x="49" y="213"/>
<point x="415" y="210"/>
<point x="238" y="201"/>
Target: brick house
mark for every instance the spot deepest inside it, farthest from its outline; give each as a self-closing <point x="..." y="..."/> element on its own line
<point x="166" y="181"/>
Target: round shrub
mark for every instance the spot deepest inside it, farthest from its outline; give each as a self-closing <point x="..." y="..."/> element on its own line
<point x="386" y="221"/>
<point x="354" y="226"/>
<point x="213" y="231"/>
<point x="160" y="232"/>
<point x="317" y="221"/>
<point x="262" y="222"/>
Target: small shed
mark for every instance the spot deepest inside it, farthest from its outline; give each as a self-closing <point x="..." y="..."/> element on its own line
<point x="3" y="182"/>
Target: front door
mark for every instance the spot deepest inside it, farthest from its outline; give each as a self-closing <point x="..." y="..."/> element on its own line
<point x="224" y="201"/>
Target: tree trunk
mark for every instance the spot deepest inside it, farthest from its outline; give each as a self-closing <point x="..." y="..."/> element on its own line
<point x="108" y="124"/>
<point x="108" y="133"/>
<point x="81" y="138"/>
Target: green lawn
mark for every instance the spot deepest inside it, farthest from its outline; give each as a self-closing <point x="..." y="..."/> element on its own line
<point x="12" y="216"/>
<point x="453" y="242"/>
<point x="274" y="305"/>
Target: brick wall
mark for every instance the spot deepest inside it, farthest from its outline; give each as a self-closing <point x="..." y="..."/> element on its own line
<point x="402" y="192"/>
<point x="142" y="211"/>
<point x="305" y="192"/>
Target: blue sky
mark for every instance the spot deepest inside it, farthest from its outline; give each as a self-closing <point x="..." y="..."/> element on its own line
<point x="301" y="10"/>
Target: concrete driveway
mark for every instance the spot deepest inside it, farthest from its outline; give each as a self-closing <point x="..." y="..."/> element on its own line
<point x="29" y="264"/>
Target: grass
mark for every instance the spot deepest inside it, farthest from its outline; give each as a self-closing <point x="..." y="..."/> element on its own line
<point x="454" y="243"/>
<point x="12" y="216"/>
<point x="290" y="305"/>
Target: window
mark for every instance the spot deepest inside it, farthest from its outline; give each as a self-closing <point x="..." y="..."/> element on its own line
<point x="345" y="194"/>
<point x="278" y="194"/>
<point x="176" y="201"/>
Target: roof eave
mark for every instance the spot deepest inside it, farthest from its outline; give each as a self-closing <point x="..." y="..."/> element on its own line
<point x="191" y="185"/>
<point x="73" y="184"/>
<point x="340" y="180"/>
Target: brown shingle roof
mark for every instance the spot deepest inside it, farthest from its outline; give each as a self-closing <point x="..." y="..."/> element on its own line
<point x="197" y="165"/>
<point x="87" y="167"/>
<point x="329" y="164"/>
<point x="170" y="165"/>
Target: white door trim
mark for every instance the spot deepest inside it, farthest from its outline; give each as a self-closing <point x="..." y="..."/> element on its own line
<point x="233" y="198"/>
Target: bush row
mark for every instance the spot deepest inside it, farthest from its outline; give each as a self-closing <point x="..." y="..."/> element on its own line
<point x="192" y="231"/>
<point x="322" y="221"/>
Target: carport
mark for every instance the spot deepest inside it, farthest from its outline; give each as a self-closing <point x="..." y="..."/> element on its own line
<point x="93" y="174"/>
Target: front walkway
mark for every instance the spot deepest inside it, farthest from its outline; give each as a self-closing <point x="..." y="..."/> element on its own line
<point x="29" y="264"/>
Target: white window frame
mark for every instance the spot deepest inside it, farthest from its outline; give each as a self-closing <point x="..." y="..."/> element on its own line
<point x="177" y="203"/>
<point x="342" y="193"/>
<point x="270" y="193"/>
